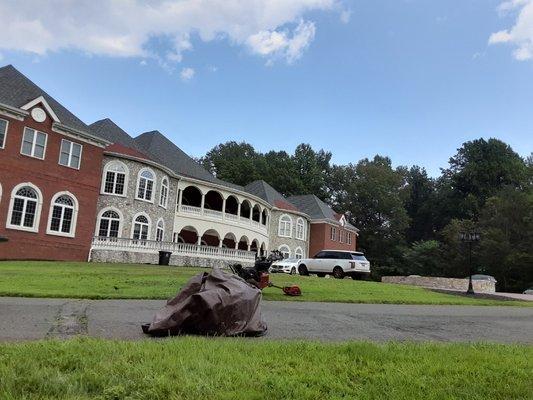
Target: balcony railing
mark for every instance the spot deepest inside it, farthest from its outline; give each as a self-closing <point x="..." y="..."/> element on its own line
<point x="220" y="215"/>
<point x="185" y="249"/>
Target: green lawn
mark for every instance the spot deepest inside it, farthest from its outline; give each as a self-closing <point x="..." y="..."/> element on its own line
<point x="104" y="281"/>
<point x="233" y="369"/>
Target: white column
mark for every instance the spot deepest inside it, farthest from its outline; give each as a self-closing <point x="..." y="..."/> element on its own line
<point x="236" y="245"/>
<point x="199" y="241"/>
<point x="249" y="246"/>
<point x="238" y="211"/>
<point x="180" y="197"/>
<point x="220" y="242"/>
<point x="202" y="203"/>
<point x="224" y="207"/>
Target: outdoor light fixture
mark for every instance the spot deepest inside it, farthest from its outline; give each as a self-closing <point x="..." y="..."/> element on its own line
<point x="470" y="237"/>
<point x="3" y="239"/>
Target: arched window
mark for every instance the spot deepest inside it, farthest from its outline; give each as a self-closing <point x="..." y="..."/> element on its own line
<point x="285" y="226"/>
<point x="141" y="227"/>
<point x="163" y="197"/>
<point x="25" y="208"/>
<point x="63" y="215"/>
<point x="115" y="180"/>
<point x="109" y="225"/>
<point x="300" y="229"/>
<point x="160" y="231"/>
<point x="285" y="250"/>
<point x="145" y="185"/>
<point x="298" y="253"/>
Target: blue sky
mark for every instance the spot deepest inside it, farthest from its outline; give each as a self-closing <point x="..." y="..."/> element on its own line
<point x="408" y="79"/>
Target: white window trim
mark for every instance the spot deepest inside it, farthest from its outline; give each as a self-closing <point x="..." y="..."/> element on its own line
<point x="0" y="193"/>
<point x="349" y="236"/>
<point x="126" y="179"/>
<point x="41" y="100"/>
<point x="35" y="228"/>
<point x="3" y="145"/>
<point x="72" y="233"/>
<point x="333" y="233"/>
<point x="33" y="143"/>
<point x="290" y="226"/>
<point x="133" y="225"/>
<point x="300" y="250"/>
<point x="104" y="210"/>
<point x="161" y="190"/>
<point x="300" y="222"/>
<point x="70" y="154"/>
<point x="157" y="228"/>
<point x="288" y="248"/>
<point x="154" y="186"/>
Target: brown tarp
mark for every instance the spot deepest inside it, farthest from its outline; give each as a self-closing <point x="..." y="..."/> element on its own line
<point x="213" y="303"/>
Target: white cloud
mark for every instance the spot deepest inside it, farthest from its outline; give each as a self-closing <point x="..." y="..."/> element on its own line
<point x="127" y="28"/>
<point x="521" y="34"/>
<point x="345" y="16"/>
<point x="284" y="44"/>
<point x="187" y="74"/>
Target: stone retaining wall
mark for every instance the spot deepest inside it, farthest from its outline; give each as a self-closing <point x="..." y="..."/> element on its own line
<point x="133" y="257"/>
<point x="480" y="286"/>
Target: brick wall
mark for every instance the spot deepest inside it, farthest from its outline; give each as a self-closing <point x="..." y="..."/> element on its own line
<point x="321" y="239"/>
<point x="50" y="178"/>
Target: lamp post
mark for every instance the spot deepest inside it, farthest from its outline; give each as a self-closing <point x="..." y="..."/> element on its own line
<point x="470" y="238"/>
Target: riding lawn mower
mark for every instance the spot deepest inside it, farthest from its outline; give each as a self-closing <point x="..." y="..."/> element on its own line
<point x="259" y="276"/>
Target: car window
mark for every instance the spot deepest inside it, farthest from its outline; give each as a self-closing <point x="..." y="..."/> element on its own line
<point x="358" y="257"/>
<point x="320" y="254"/>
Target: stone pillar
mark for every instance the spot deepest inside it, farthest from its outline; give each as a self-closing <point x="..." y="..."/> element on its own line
<point x="238" y="210"/>
<point x="180" y="197"/>
<point x="220" y="242"/>
<point x="224" y="206"/>
<point x="249" y="246"/>
<point x="202" y="203"/>
<point x="199" y="241"/>
<point x="236" y="245"/>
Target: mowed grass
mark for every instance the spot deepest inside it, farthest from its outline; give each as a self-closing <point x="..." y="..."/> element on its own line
<point x="129" y="281"/>
<point x="233" y="369"/>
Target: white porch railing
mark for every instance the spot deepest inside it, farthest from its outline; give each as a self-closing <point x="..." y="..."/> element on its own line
<point x="219" y="215"/>
<point x="185" y="249"/>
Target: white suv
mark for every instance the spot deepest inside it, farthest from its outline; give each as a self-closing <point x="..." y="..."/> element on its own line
<point x="337" y="263"/>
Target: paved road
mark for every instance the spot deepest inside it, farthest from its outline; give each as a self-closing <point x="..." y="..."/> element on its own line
<point x="29" y="319"/>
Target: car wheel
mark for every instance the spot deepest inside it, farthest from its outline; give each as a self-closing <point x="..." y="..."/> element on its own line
<point x="293" y="271"/>
<point x="321" y="275"/>
<point x="338" y="273"/>
<point x="302" y="270"/>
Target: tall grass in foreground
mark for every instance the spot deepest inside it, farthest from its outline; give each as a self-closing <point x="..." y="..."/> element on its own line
<point x="199" y="368"/>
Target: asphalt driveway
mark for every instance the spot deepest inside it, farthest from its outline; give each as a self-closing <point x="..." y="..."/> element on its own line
<point x="30" y="319"/>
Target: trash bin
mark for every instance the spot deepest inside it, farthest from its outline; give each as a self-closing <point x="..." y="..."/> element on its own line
<point x="164" y="257"/>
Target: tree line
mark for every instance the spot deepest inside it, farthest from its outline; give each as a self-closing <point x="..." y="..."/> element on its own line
<point x="410" y="222"/>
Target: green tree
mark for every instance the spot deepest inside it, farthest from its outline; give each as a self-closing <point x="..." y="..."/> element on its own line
<point x="234" y="162"/>
<point x="312" y="169"/>
<point x="371" y="192"/>
<point x="280" y="172"/>
<point x="424" y="258"/>
<point x="479" y="170"/>
<point x="418" y="197"/>
<point x="506" y="251"/>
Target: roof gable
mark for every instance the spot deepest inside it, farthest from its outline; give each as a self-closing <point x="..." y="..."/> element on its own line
<point x="41" y="100"/>
<point x="17" y="91"/>
<point x="266" y="192"/>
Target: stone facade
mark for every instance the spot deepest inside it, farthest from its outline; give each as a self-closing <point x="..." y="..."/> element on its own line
<point x="277" y="241"/>
<point x="128" y="206"/>
<point x="480" y="286"/>
<point x="134" y="257"/>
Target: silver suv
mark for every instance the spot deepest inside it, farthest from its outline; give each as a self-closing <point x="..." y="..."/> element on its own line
<point x="337" y="263"/>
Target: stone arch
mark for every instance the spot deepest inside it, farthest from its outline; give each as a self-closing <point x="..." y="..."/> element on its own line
<point x="211" y="238"/>
<point x="256" y="213"/>
<point x="191" y="196"/>
<point x="246" y="209"/>
<point x="188" y="234"/>
<point x="229" y="241"/>
<point x="232" y="205"/>
<point x="243" y="243"/>
<point x="213" y="200"/>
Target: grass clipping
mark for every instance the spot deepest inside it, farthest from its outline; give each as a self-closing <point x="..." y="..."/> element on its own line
<point x="199" y="368"/>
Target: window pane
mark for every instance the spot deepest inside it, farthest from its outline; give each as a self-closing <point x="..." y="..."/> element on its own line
<point x="16" y="215"/>
<point x="75" y="162"/>
<point x="109" y="182"/>
<point x="67" y="220"/>
<point x="27" y="142"/>
<point x="76" y="149"/>
<point x="121" y="179"/>
<point x="39" y="151"/>
<point x="104" y="225"/>
<point x="41" y="139"/>
<point x="3" y="129"/>
<point x="56" y="218"/>
<point x="29" y="215"/>
<point x="149" y="187"/>
<point x="113" y="231"/>
<point x="63" y="158"/>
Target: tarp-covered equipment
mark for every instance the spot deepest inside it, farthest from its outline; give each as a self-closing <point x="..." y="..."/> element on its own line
<point x="213" y="303"/>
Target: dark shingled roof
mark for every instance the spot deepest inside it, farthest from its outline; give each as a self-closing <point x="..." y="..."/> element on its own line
<point x="266" y="192"/>
<point x="162" y="150"/>
<point x="316" y="208"/>
<point x="108" y="130"/>
<point x="17" y="90"/>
